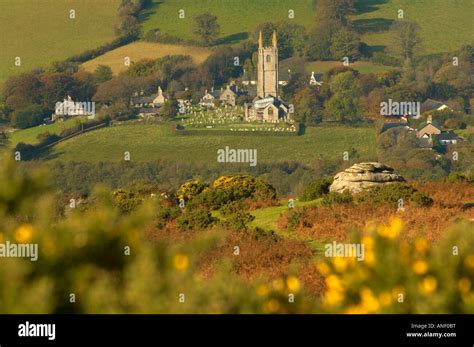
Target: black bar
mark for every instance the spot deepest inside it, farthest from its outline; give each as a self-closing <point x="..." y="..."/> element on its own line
<point x="322" y="330"/>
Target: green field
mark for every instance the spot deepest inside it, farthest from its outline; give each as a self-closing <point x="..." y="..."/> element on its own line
<point x="445" y="24"/>
<point x="41" y="32"/>
<point x="236" y="18"/>
<point x="30" y="135"/>
<point x="155" y="142"/>
<point x="361" y="66"/>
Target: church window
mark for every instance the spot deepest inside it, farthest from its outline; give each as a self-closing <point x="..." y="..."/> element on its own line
<point x="269" y="58"/>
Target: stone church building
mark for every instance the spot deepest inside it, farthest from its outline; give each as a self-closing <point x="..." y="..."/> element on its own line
<point x="267" y="106"/>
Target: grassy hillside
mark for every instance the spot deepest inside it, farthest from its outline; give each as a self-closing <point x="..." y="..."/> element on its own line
<point x="236" y="18"/>
<point x="445" y="24"/>
<point x="30" y="135"/>
<point x="153" y="142"/>
<point x="144" y="50"/>
<point x="41" y="32"/>
<point x="361" y="66"/>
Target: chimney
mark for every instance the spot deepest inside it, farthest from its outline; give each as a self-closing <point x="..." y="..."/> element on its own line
<point x="430" y="119"/>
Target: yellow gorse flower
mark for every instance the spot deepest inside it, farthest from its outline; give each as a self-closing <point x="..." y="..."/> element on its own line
<point x="469" y="262"/>
<point x="391" y="231"/>
<point x="180" y="262"/>
<point x="272" y="306"/>
<point x="340" y="264"/>
<point x="24" y="233"/>
<point x="263" y="290"/>
<point x="322" y="268"/>
<point x="464" y="285"/>
<point x="293" y="284"/>
<point x="428" y="285"/>
<point x="420" y="267"/>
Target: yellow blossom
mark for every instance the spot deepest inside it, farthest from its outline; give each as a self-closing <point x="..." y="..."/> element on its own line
<point x="464" y="285"/>
<point x="369" y="258"/>
<point x="272" y="306"/>
<point x="420" y="267"/>
<point x="322" y="267"/>
<point x="333" y="282"/>
<point x="24" y="233"/>
<point x="385" y="298"/>
<point x="368" y="242"/>
<point x="333" y="297"/>
<point x="293" y="284"/>
<point x="340" y="264"/>
<point x="469" y="262"/>
<point x="421" y="245"/>
<point x="369" y="301"/>
<point x="392" y="230"/>
<point x="278" y="284"/>
<point x="428" y="285"/>
<point x="356" y="309"/>
<point x="262" y="290"/>
<point x="180" y="262"/>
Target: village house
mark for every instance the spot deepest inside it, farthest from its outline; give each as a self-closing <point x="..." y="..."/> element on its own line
<point x="155" y="101"/>
<point x="183" y="97"/>
<point x="148" y="106"/>
<point x="209" y="98"/>
<point x="448" y="138"/>
<point x="267" y="106"/>
<point x="69" y="108"/>
<point x="428" y="129"/>
<point x="430" y="105"/>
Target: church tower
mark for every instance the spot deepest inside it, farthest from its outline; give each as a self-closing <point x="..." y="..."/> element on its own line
<point x="267" y="84"/>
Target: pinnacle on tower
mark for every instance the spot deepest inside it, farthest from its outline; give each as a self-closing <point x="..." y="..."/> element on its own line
<point x="274" y="39"/>
<point x="260" y="40"/>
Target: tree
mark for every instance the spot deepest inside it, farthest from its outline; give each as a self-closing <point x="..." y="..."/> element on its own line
<point x="29" y="116"/>
<point x="170" y="109"/>
<point x="335" y="10"/>
<point x="345" y="43"/>
<point x="207" y="27"/>
<point x="344" y="103"/>
<point x="102" y="74"/>
<point x="308" y="107"/>
<point x="405" y="38"/>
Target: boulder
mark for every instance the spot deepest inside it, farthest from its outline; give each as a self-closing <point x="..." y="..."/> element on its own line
<point x="362" y="176"/>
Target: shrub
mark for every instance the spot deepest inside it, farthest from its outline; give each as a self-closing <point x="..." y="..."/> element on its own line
<point x="188" y="190"/>
<point x="421" y="199"/>
<point x="294" y="218"/>
<point x="127" y="201"/>
<point x="334" y="198"/>
<point x="316" y="189"/>
<point x="241" y="187"/>
<point x="392" y="193"/>
<point x="196" y="219"/>
<point x="238" y="220"/>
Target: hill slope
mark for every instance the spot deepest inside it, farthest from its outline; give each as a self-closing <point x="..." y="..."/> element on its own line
<point x="155" y="142"/>
<point x="41" y="32"/>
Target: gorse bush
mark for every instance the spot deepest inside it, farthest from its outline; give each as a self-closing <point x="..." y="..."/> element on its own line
<point x="196" y="219"/>
<point x="334" y="198"/>
<point x="396" y="276"/>
<point x="316" y="189"/>
<point x="393" y="194"/>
